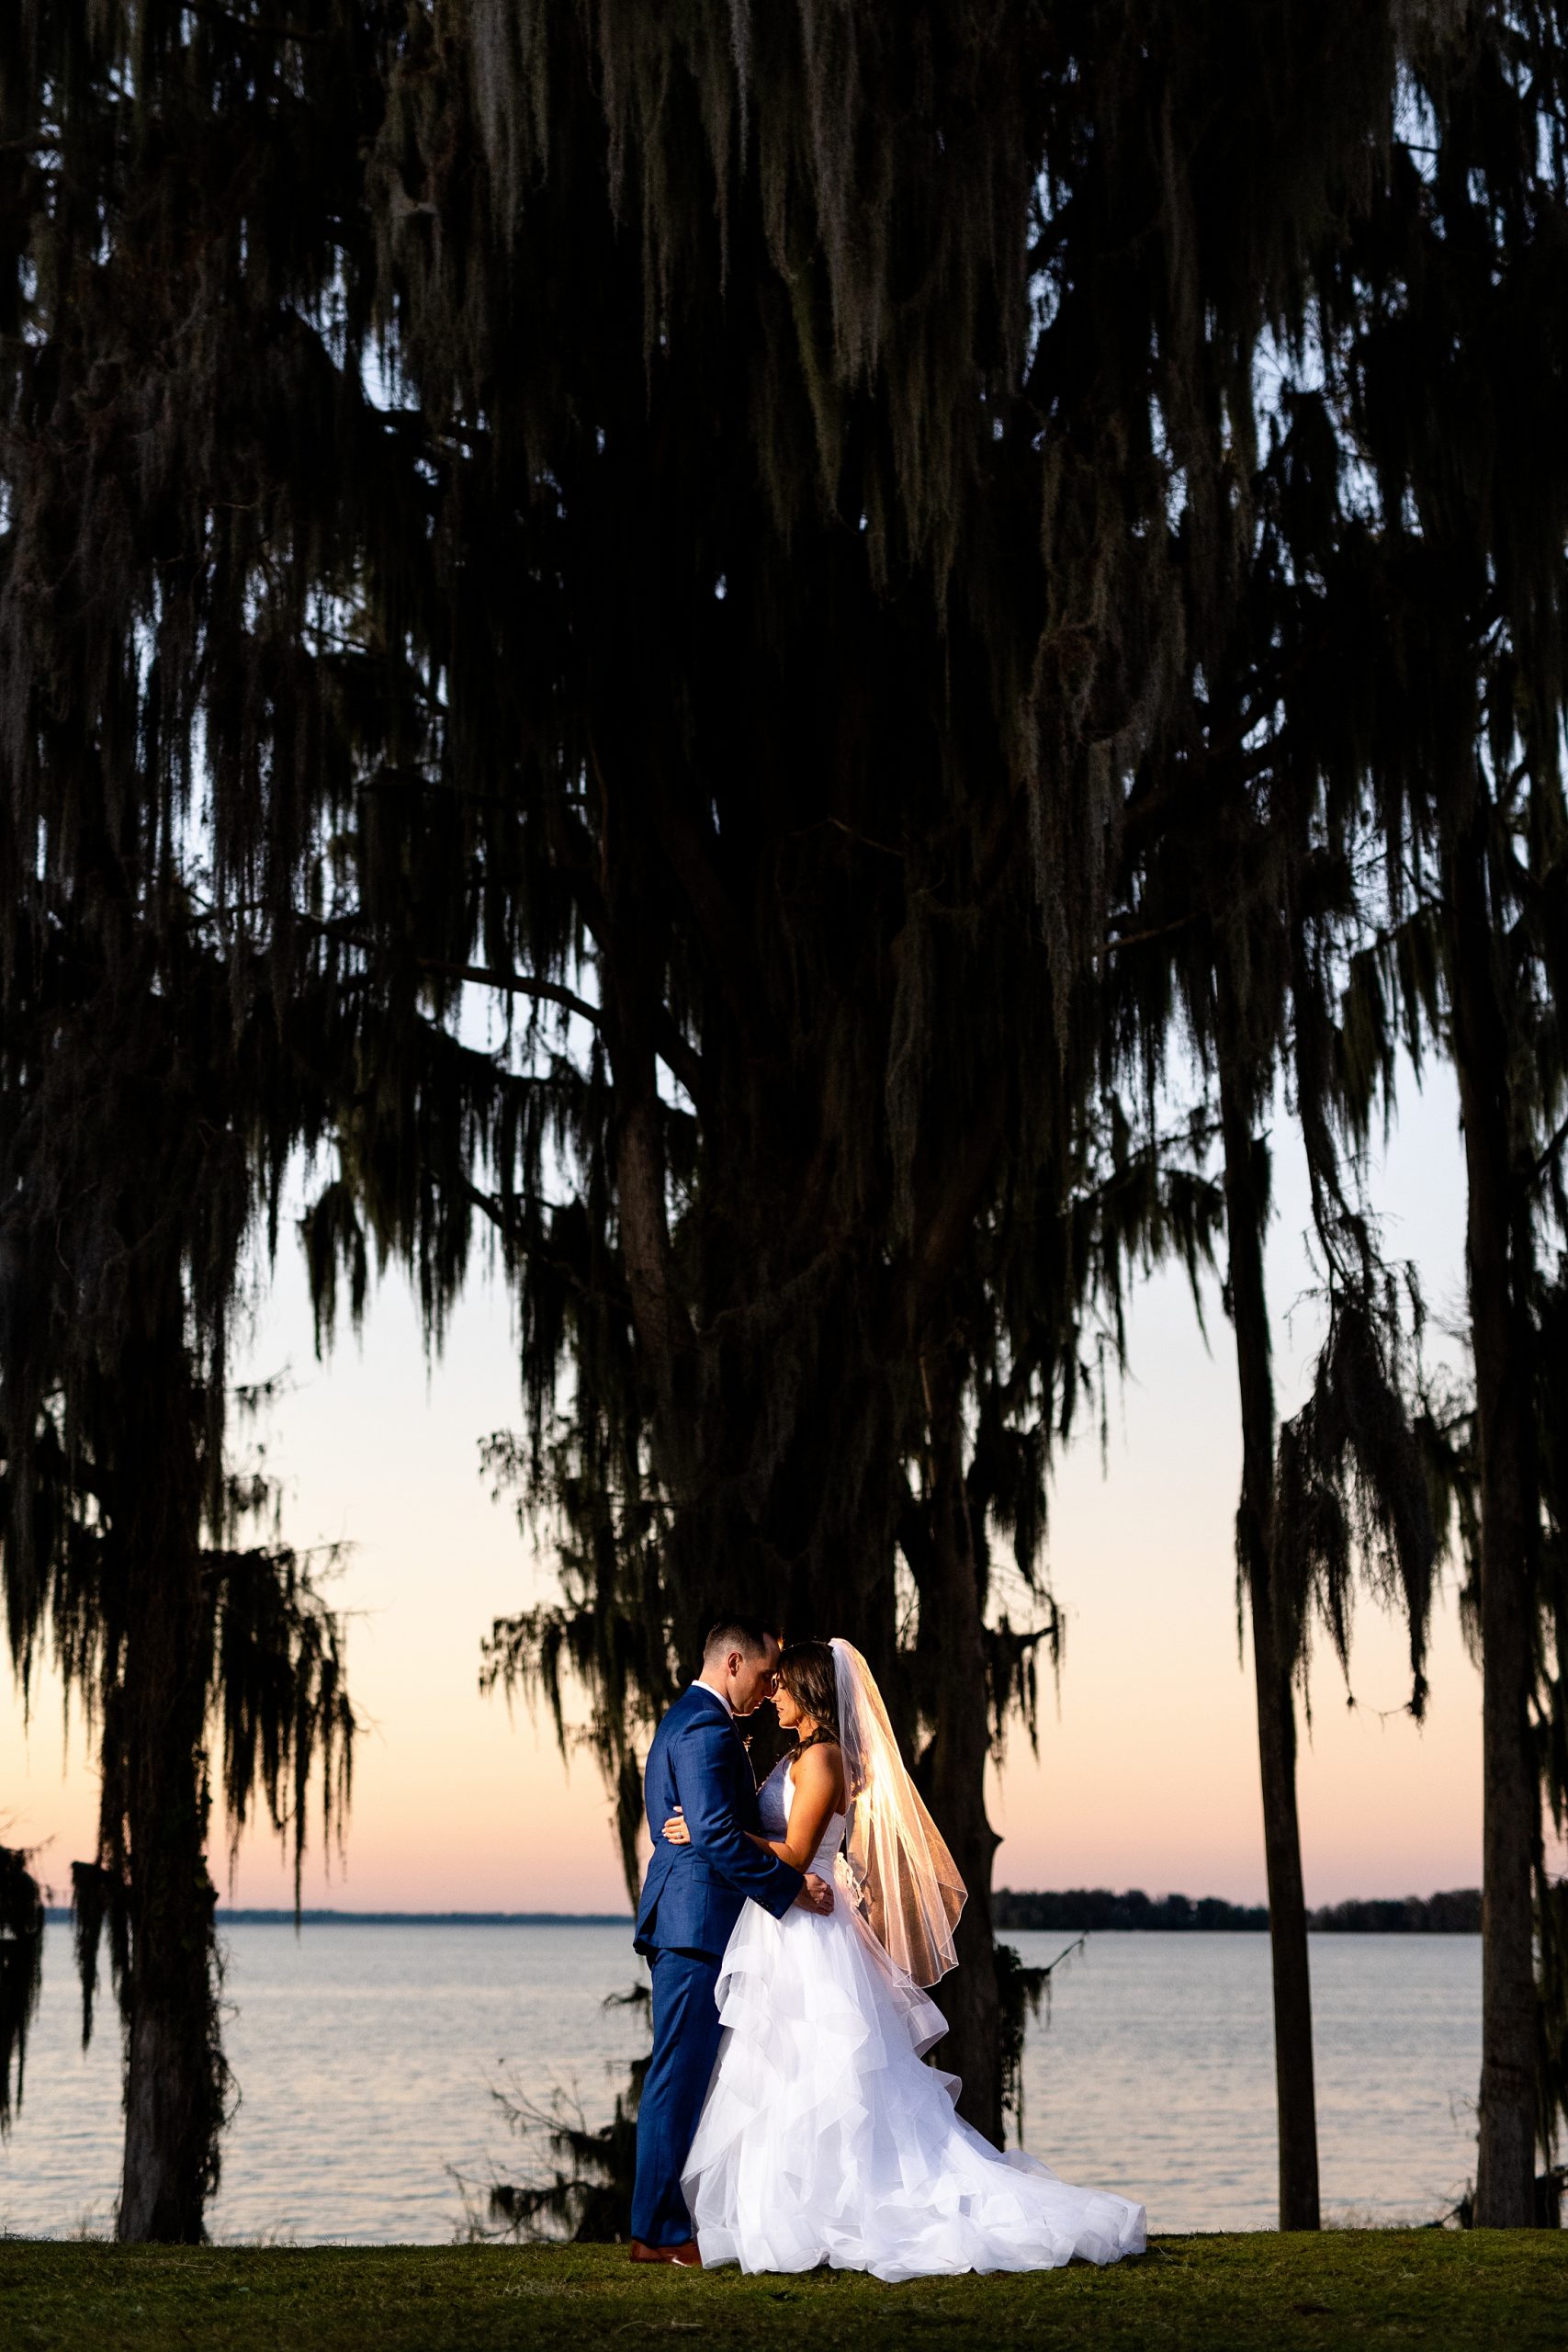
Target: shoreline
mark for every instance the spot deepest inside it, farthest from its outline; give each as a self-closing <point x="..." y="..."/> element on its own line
<point x="60" y="1915"/>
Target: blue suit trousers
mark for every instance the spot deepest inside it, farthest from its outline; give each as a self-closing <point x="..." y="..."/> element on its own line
<point x="686" y="2044"/>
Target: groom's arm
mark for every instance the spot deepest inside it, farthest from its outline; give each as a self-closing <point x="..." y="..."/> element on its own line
<point x="705" y="1782"/>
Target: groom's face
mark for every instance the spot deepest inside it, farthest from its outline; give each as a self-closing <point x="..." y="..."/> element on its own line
<point x="752" y="1680"/>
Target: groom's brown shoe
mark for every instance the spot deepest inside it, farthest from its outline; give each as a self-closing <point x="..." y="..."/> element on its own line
<point x="684" y="2257"/>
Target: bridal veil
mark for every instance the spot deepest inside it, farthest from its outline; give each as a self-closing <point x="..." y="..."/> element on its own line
<point x="905" y="1883"/>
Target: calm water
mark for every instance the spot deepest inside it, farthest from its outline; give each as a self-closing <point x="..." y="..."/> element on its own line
<point x="365" y="2057"/>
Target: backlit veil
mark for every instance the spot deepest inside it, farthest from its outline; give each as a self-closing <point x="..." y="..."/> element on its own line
<point x="906" y="1882"/>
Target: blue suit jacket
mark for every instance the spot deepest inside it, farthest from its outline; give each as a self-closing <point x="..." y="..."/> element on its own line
<point x="691" y="1895"/>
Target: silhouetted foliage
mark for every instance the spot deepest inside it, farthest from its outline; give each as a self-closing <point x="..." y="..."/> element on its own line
<point x="1455" y="1914"/>
<point x="1096" y="1909"/>
<point x="587" y="2197"/>
<point x="21" y="1971"/>
<point x="1020" y="1989"/>
<point x="1099" y="1910"/>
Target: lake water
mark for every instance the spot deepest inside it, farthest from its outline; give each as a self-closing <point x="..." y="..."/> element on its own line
<point x="366" y="2057"/>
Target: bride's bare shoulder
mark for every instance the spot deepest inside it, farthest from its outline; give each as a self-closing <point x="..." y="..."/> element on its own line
<point x="819" y="1768"/>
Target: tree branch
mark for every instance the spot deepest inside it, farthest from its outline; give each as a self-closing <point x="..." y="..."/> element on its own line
<point x="1550" y="1152"/>
<point x="511" y="984"/>
<point x="692" y="867"/>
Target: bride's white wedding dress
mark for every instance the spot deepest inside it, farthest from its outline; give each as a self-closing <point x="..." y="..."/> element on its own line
<point x="824" y="2138"/>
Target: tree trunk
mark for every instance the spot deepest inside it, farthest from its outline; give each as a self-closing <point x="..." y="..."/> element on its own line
<point x="174" y="2094"/>
<point x="1504" y="2186"/>
<point x="1246" y="1199"/>
<point x="953" y="1770"/>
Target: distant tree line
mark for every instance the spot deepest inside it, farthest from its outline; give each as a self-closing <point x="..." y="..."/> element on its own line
<point x="778" y="672"/>
<point x="1077" y="1909"/>
<point x="1456" y="1914"/>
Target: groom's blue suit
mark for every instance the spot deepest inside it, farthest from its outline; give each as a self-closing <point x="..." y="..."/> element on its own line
<point x="690" y="1899"/>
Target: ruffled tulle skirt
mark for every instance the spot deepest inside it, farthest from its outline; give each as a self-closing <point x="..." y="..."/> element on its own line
<point x="824" y="2139"/>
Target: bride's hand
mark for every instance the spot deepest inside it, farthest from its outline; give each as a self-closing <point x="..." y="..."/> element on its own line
<point x="675" y="1832"/>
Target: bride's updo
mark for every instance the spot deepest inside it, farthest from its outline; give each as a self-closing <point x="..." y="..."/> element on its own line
<point x="809" y="1672"/>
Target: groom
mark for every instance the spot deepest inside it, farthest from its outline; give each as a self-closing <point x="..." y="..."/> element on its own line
<point x="691" y="1900"/>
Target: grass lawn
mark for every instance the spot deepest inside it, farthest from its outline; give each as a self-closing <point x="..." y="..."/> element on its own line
<point x="1506" y="2291"/>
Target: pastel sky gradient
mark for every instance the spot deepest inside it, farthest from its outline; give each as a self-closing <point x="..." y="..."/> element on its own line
<point x="1146" y="1772"/>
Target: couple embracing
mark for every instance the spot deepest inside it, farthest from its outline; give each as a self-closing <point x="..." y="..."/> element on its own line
<point x="786" y="2116"/>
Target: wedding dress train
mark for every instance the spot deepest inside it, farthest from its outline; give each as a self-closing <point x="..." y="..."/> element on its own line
<point x="823" y="2137"/>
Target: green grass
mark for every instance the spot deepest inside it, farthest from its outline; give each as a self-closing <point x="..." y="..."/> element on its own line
<point x="1506" y="2291"/>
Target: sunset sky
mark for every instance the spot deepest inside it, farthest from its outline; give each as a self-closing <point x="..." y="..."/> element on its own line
<point x="1147" y="1774"/>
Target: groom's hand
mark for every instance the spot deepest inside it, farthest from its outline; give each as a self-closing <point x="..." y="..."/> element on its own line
<point x="815" y="1894"/>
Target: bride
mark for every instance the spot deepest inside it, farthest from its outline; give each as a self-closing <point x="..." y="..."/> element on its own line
<point x="823" y="2138"/>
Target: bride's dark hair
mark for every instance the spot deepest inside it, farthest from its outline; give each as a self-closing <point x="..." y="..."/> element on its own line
<point x="809" y="1672"/>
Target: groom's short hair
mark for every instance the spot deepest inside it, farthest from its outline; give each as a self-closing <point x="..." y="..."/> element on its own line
<point x="747" y="1634"/>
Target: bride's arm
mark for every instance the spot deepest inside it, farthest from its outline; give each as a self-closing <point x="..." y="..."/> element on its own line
<point x="817" y="1793"/>
<point x="675" y="1833"/>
